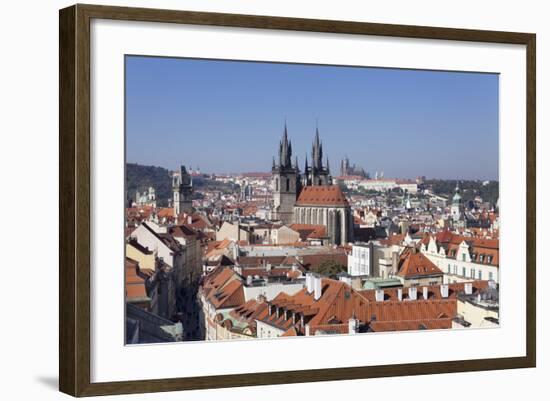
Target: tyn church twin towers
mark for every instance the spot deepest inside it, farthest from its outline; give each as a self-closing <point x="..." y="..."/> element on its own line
<point x="311" y="197"/>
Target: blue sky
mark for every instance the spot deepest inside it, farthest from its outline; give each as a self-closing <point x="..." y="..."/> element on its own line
<point x="228" y="116"/>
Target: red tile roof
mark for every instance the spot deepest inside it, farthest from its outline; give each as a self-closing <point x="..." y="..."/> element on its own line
<point x="403" y="325"/>
<point x="167" y="212"/>
<point x="322" y="195"/>
<point x="309" y="231"/>
<point x="414" y="264"/>
<point x="480" y="248"/>
<point x="134" y="282"/>
<point x="223" y="288"/>
<point x="339" y="302"/>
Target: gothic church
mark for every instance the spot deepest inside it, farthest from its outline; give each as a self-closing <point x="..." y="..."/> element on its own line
<point x="311" y="197"/>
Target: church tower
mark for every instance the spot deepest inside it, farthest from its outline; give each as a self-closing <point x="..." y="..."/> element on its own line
<point x="182" y="186"/>
<point x="285" y="182"/>
<point x="317" y="174"/>
<point x="457" y="207"/>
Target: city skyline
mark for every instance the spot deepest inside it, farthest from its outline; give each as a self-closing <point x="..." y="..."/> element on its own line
<point x="382" y="119"/>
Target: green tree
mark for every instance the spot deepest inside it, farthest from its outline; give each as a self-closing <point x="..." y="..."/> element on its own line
<point x="329" y="268"/>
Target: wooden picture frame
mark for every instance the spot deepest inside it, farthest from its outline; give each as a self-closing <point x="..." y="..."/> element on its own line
<point x="75" y="206"/>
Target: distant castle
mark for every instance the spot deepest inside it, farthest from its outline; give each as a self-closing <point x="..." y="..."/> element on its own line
<point x="309" y="198"/>
<point x="347" y="169"/>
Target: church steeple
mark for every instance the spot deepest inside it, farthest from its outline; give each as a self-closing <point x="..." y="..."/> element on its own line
<point x="317" y="151"/>
<point x="285" y="150"/>
<point x="285" y="182"/>
<point x="457" y="207"/>
<point x="317" y="174"/>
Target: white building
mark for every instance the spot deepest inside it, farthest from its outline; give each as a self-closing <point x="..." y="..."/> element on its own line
<point x="389" y="184"/>
<point x="360" y="260"/>
<point x="464" y="259"/>
<point x="146" y="198"/>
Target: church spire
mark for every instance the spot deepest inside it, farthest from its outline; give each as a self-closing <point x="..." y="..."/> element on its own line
<point x="285" y="150"/>
<point x="317" y="151"/>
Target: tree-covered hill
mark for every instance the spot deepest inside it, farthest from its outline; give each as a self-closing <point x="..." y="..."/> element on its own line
<point x="488" y="190"/>
<point x="139" y="178"/>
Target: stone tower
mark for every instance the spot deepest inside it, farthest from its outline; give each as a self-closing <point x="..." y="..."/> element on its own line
<point x="285" y="182"/>
<point x="182" y="186"/>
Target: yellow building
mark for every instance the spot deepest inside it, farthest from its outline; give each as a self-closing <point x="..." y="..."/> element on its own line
<point x="141" y="254"/>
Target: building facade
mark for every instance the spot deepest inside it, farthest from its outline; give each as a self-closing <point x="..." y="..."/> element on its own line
<point x="326" y="206"/>
<point x="360" y="260"/>
<point x="463" y="258"/>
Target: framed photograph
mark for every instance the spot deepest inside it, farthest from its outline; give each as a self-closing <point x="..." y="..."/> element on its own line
<point x="251" y="200"/>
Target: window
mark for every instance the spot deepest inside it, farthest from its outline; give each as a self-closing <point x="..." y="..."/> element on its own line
<point x="449" y="268"/>
<point x="463" y="271"/>
<point x="479" y="275"/>
<point x="473" y="273"/>
<point x="276" y="184"/>
<point x="481" y="258"/>
<point x="490" y="275"/>
<point x="464" y="257"/>
<point x="288" y="184"/>
<point x="489" y="258"/>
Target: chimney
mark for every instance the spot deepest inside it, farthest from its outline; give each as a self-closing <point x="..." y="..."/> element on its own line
<point x="268" y="266"/>
<point x="309" y="282"/>
<point x="317" y="287"/>
<point x="248" y="280"/>
<point x="425" y="292"/>
<point x="379" y="295"/>
<point x="468" y="288"/>
<point x="189" y="220"/>
<point x="394" y="262"/>
<point x="444" y="288"/>
<point x="307" y="330"/>
<point x="412" y="293"/>
<point x="400" y="294"/>
<point x="345" y="279"/>
<point x="353" y="325"/>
